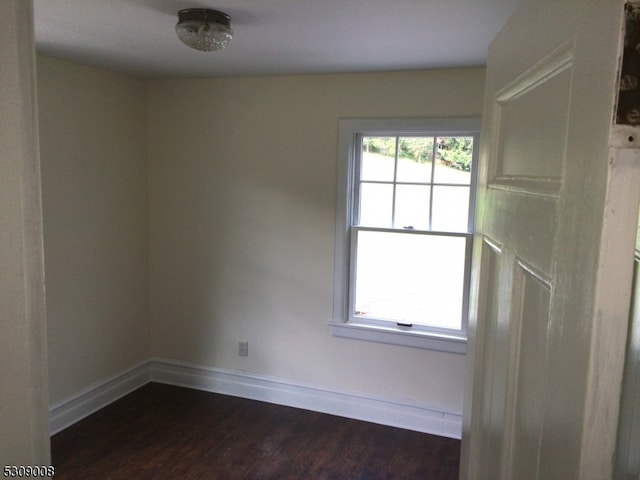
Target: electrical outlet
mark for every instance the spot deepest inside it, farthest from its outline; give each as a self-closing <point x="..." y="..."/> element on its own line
<point x="243" y="349"/>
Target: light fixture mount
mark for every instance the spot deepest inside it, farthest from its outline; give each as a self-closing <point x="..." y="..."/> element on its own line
<point x="204" y="29"/>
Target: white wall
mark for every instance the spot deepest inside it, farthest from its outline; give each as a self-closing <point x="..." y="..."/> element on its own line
<point x="24" y="432"/>
<point x="242" y="176"/>
<point x="236" y="240"/>
<point x="94" y="186"/>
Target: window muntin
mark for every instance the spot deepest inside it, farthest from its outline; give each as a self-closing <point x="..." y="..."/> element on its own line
<point x="394" y="228"/>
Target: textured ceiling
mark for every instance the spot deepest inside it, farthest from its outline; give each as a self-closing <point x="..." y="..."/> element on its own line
<point x="273" y="37"/>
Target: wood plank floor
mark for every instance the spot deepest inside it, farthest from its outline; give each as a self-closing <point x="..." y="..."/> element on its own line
<point x="166" y="432"/>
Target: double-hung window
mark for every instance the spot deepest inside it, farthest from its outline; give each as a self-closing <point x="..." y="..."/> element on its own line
<point x="404" y="225"/>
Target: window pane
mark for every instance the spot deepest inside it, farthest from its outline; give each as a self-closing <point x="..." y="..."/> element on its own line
<point x="453" y="160"/>
<point x="376" y="204"/>
<point x="378" y="158"/>
<point x="410" y="278"/>
<point x="450" y="209"/>
<point x="412" y="206"/>
<point x="414" y="164"/>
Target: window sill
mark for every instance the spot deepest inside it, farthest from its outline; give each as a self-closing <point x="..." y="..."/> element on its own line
<point x="399" y="336"/>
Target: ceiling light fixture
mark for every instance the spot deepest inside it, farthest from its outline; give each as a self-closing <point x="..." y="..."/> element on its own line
<point x="204" y="29"/>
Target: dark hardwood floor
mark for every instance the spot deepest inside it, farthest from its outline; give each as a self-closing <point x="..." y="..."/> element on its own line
<point x="166" y="432"/>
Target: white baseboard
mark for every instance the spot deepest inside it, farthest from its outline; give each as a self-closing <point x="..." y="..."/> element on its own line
<point x="408" y="415"/>
<point x="91" y="399"/>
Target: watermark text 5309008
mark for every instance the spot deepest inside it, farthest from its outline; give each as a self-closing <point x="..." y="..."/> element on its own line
<point x="28" y="471"/>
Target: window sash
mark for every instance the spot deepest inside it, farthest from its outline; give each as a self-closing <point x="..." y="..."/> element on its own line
<point x="352" y="317"/>
<point x="357" y="182"/>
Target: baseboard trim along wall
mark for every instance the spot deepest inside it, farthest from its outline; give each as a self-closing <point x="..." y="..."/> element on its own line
<point x="408" y="415"/>
<point x="91" y="399"/>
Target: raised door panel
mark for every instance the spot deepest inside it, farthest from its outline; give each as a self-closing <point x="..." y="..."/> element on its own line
<point x="530" y="328"/>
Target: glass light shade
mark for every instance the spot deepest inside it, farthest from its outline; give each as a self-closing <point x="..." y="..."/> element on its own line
<point x="203" y="29"/>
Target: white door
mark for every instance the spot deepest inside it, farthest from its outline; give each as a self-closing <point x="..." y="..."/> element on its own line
<point x="558" y="198"/>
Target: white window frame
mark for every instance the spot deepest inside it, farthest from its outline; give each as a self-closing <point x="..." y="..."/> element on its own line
<point x="343" y="323"/>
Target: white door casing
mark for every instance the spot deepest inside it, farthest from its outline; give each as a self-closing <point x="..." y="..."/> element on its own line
<point x="627" y="458"/>
<point x="557" y="203"/>
<point x="24" y="422"/>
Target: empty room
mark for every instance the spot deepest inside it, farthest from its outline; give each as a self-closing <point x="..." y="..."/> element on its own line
<point x="300" y="239"/>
